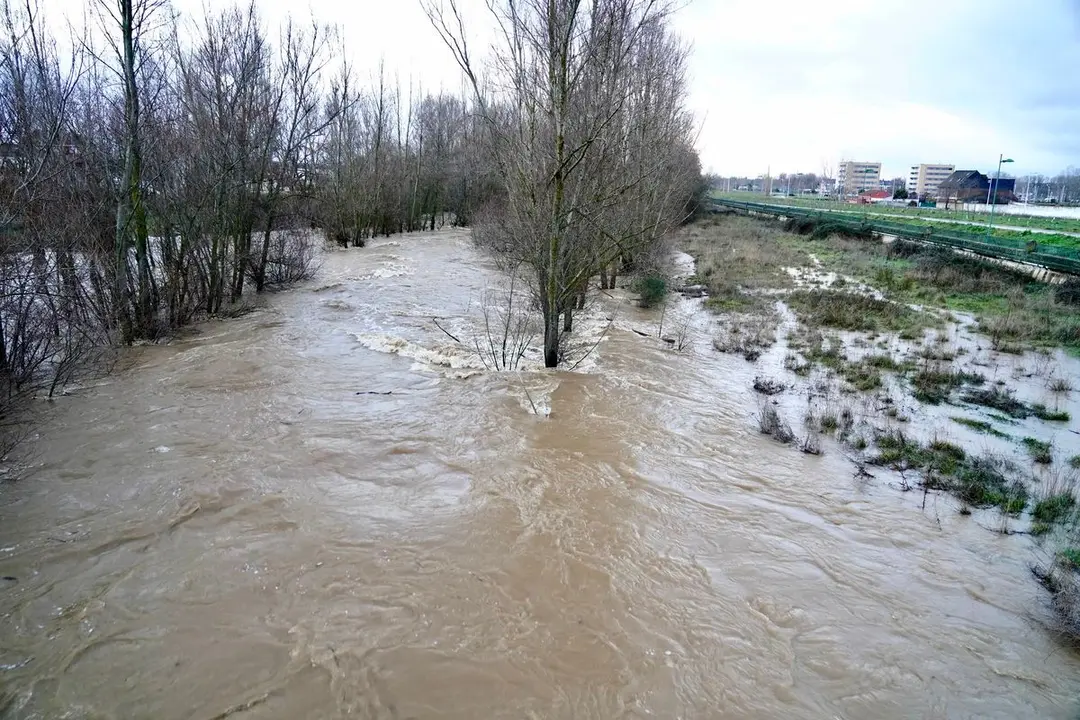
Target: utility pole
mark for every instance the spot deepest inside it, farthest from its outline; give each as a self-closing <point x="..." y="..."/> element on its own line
<point x="994" y="190"/>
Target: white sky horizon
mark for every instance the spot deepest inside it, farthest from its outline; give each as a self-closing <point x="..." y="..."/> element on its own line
<point x="794" y="86"/>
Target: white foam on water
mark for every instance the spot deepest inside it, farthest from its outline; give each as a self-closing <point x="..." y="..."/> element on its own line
<point x="389" y="270"/>
<point x="532" y="388"/>
<point x="813" y="277"/>
<point x="454" y="357"/>
<point x="591" y="328"/>
<point x="337" y="305"/>
<point x="534" y="391"/>
<point x="683" y="265"/>
<point x="529" y="382"/>
<point x="328" y="286"/>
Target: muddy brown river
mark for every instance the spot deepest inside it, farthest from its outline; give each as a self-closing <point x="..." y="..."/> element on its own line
<point x="241" y="525"/>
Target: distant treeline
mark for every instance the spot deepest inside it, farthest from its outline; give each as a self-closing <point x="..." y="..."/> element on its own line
<point x="148" y="183"/>
<point x="153" y="180"/>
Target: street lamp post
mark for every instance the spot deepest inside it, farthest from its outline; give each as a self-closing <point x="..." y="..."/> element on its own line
<point x="992" y="202"/>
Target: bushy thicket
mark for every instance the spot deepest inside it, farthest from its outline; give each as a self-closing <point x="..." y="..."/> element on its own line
<point x="159" y="177"/>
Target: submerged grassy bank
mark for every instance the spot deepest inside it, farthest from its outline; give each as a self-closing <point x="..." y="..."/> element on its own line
<point x="738" y="256"/>
<point x="875" y="335"/>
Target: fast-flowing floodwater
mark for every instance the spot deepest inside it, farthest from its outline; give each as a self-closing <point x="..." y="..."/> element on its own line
<point x="244" y="525"/>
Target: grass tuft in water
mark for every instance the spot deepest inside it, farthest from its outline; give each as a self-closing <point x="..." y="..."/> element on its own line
<point x="770" y="423"/>
<point x="883" y="362"/>
<point x="1054" y="509"/>
<point x="1039" y="450"/>
<point x="1070" y="557"/>
<point x="998" y="399"/>
<point x="768" y="386"/>
<point x="935" y="386"/>
<point x="1043" y="413"/>
<point x="797" y="365"/>
<point x="977" y="481"/>
<point x="983" y="484"/>
<point x="853" y="311"/>
<point x="1060" y="385"/>
<point x="829" y="422"/>
<point x="979" y="426"/>
<point x="863" y="377"/>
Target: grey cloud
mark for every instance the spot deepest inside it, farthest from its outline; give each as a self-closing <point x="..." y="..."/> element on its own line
<point x="1010" y="66"/>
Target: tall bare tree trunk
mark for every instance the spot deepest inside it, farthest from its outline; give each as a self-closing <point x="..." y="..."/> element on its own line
<point x="260" y="276"/>
<point x="131" y="228"/>
<point x="583" y="155"/>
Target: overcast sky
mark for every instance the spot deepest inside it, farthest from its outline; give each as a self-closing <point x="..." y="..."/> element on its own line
<point x="798" y="84"/>
<point x="795" y="84"/>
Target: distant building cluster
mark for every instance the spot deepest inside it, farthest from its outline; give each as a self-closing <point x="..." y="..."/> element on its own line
<point x="971" y="186"/>
<point x="862" y="182"/>
<point x="936" y="183"/>
<point x="925" y="184"/>
<point x="924" y="179"/>
<point x="858" y="177"/>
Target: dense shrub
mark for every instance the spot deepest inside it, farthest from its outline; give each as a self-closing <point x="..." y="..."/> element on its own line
<point x="850" y="311"/>
<point x="819" y="229"/>
<point x="1068" y="292"/>
<point x="651" y="290"/>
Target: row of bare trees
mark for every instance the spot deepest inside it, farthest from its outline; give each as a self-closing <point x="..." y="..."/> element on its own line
<point x="158" y="176"/>
<point x="396" y="162"/>
<point x="583" y="108"/>
<point x="1061" y="188"/>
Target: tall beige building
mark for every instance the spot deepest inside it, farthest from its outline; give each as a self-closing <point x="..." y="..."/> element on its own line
<point x="856" y="177"/>
<point x="924" y="179"/>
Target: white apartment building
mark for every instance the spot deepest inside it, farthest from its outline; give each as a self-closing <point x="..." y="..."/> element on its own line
<point x="856" y="177"/>
<point x="924" y="179"/>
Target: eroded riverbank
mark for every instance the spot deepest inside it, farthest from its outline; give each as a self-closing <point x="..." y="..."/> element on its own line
<point x="238" y="527"/>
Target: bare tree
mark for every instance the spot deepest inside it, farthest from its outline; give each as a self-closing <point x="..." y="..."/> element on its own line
<point x="47" y="334"/>
<point x="128" y="23"/>
<point x="153" y="180"/>
<point x="580" y="128"/>
<point x="291" y="174"/>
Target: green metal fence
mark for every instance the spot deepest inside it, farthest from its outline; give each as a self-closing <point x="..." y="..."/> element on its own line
<point x="1029" y="251"/>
